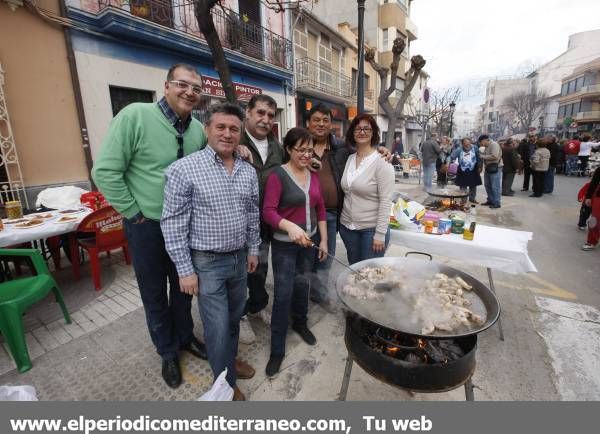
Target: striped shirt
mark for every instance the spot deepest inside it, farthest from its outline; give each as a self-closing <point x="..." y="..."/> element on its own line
<point x="208" y="209"/>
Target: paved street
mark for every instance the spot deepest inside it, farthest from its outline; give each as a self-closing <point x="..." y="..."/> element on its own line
<point x="551" y="324"/>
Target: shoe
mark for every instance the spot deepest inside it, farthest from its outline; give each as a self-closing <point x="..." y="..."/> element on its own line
<point x="587" y="247"/>
<point x="494" y="206"/>
<point x="486" y="203"/>
<point x="524" y="189"/>
<point x="238" y="395"/>
<point x="535" y="195"/>
<point x="508" y="194"/>
<point x="196" y="348"/>
<point x="243" y="370"/>
<point x="582" y="228"/>
<point x="247" y="335"/>
<point x="273" y="365"/>
<point x="264" y="315"/>
<point x="305" y="333"/>
<point x="475" y="202"/>
<point x="171" y="373"/>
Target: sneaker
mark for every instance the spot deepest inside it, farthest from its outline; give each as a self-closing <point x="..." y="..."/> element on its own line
<point x="264" y="315"/>
<point x="582" y="228"/>
<point x="588" y="247"/>
<point x="247" y="335"/>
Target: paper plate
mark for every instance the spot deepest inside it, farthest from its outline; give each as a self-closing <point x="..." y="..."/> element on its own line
<point x="28" y="227"/>
<point x="70" y="211"/>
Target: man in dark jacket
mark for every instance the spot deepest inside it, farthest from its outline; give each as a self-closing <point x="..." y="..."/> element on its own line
<point x="329" y="159"/>
<point x="526" y="150"/>
<point x="549" y="177"/>
<point x="512" y="163"/>
<point x="267" y="153"/>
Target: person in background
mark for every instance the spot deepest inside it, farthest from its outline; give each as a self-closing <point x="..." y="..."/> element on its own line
<point x="540" y="162"/>
<point x="592" y="201"/>
<point x="554" y="155"/>
<point x="142" y="141"/>
<point x="467" y="174"/>
<point x="526" y="149"/>
<point x="512" y="162"/>
<point x="398" y="147"/>
<point x="441" y="166"/>
<point x="585" y="211"/>
<point x="294" y="207"/>
<point x="585" y="150"/>
<point x="571" y="156"/>
<point x="368" y="184"/>
<point x="210" y="222"/>
<point x="267" y="153"/>
<point x="491" y="154"/>
<point x="430" y="150"/>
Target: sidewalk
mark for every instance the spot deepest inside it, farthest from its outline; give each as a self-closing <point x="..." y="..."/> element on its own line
<point x="106" y="354"/>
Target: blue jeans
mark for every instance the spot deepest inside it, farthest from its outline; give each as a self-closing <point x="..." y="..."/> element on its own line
<point x="221" y="301"/>
<point x="493" y="187"/>
<point x="359" y="244"/>
<point x="428" y="171"/>
<point x="319" y="279"/>
<point x="168" y="311"/>
<point x="291" y="266"/>
<point x="258" y="298"/>
<point x="549" y="180"/>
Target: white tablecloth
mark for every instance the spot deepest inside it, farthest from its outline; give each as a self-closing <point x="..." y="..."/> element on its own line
<point x="11" y="235"/>
<point x="496" y="248"/>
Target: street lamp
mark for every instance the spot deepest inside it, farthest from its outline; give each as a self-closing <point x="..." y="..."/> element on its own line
<point x="452" y="107"/>
<point x="360" y="88"/>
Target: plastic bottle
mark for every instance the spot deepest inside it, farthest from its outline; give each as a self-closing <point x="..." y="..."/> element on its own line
<point x="470" y="223"/>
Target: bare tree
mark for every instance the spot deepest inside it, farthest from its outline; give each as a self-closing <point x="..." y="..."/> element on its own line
<point x="440" y="109"/>
<point x="526" y="107"/>
<point x="394" y="113"/>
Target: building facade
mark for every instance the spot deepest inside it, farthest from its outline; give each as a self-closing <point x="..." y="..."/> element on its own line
<point x="579" y="101"/>
<point x="384" y="21"/>
<point x="43" y="142"/>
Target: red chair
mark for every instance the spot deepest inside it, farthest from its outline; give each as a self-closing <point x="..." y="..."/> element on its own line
<point x="107" y="226"/>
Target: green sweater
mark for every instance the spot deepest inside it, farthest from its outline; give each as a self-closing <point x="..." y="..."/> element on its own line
<point x="138" y="148"/>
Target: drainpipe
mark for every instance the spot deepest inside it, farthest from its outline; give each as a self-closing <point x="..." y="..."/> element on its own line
<point x="85" y="140"/>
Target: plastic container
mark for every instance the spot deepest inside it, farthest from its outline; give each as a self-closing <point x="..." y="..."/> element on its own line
<point x="14" y="210"/>
<point x="445" y="226"/>
<point x="458" y="226"/>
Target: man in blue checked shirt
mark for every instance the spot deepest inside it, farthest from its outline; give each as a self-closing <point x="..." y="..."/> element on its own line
<point x="210" y="222"/>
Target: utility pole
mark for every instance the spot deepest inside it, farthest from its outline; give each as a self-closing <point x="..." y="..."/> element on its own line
<point x="360" y="88"/>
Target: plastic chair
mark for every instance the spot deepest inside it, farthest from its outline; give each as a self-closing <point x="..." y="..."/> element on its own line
<point x="107" y="226"/>
<point x="17" y="295"/>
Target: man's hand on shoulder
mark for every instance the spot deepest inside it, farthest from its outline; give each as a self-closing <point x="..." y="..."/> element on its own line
<point x="189" y="284"/>
<point x="385" y="153"/>
<point x="245" y="153"/>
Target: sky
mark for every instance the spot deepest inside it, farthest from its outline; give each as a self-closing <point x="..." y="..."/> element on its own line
<point x="466" y="42"/>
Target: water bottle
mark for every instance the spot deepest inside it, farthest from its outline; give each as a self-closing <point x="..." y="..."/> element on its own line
<point x="470" y="224"/>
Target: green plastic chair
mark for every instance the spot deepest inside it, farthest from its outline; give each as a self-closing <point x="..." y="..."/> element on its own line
<point x="17" y="295"/>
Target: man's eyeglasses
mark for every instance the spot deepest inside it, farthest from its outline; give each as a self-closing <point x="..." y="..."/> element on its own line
<point x="184" y="85"/>
<point x="180" y="149"/>
<point x="363" y="130"/>
<point x="305" y="151"/>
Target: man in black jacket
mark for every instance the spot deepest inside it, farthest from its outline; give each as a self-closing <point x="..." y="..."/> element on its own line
<point x="267" y="153"/>
<point x="549" y="177"/>
<point x="526" y="150"/>
<point x="512" y="163"/>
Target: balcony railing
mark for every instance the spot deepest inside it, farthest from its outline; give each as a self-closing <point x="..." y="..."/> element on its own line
<point x="591" y="116"/>
<point x="314" y="75"/>
<point x="235" y="32"/>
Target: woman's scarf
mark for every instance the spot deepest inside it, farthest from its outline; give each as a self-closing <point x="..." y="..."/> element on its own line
<point x="467" y="159"/>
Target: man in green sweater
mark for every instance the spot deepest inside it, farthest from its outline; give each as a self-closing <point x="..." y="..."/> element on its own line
<point x="142" y="141"/>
